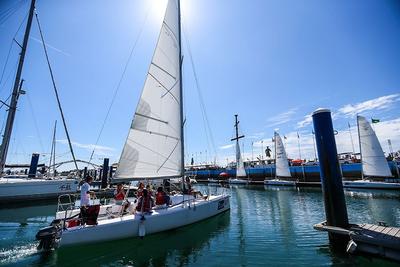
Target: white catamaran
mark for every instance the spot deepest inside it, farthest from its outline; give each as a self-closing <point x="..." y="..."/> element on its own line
<point x="240" y="170"/>
<point x="153" y="150"/>
<point x="373" y="161"/>
<point x="281" y="164"/>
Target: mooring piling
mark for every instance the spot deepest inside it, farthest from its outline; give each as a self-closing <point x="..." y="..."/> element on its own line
<point x="331" y="180"/>
<point x="34" y="165"/>
<point x="104" y="177"/>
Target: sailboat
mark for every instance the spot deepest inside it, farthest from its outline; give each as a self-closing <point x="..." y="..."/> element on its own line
<point x="240" y="170"/>
<point x="26" y="187"/>
<point x="373" y="161"/>
<point x="154" y="149"/>
<point x="281" y="164"/>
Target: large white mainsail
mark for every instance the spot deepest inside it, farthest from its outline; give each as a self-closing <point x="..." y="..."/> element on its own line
<point x="281" y="161"/>
<point x="153" y="147"/>
<point x="240" y="170"/>
<point x="374" y="163"/>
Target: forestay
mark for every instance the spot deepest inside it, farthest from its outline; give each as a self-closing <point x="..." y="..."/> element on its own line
<point x="240" y="170"/>
<point x="153" y="147"/>
<point x="374" y="162"/>
<point x="281" y="161"/>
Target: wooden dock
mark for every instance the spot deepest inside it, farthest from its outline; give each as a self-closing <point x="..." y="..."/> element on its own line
<point x="379" y="240"/>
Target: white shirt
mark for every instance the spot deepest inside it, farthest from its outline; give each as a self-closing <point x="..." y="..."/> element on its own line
<point x="85" y="196"/>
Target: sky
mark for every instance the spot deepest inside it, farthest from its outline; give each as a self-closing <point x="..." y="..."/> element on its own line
<point x="272" y="62"/>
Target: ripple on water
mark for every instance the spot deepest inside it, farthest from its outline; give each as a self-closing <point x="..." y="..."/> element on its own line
<point x="265" y="226"/>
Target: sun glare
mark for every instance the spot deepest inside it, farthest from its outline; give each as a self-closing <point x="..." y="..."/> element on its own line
<point x="157" y="9"/>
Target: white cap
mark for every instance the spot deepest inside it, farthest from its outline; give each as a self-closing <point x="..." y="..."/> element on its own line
<point x="321" y="110"/>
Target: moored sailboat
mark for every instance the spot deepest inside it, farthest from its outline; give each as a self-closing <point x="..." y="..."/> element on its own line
<point x="23" y="188"/>
<point x="154" y="149"/>
<point x="241" y="176"/>
<point x="373" y="161"/>
<point x="281" y="164"/>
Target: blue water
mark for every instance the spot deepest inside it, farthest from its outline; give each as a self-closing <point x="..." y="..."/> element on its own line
<point x="265" y="226"/>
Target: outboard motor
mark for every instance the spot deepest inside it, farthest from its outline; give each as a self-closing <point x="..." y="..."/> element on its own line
<point x="49" y="236"/>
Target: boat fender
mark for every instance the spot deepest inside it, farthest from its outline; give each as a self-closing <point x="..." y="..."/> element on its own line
<point x="142" y="228"/>
<point x="351" y="247"/>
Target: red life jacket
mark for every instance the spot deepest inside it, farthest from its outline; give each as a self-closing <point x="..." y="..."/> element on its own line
<point x="160" y="198"/>
<point x="120" y="195"/>
<point x="145" y="203"/>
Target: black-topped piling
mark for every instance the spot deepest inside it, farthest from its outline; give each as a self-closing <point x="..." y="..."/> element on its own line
<point x="331" y="179"/>
<point x="104" y="178"/>
<point x="33" y="166"/>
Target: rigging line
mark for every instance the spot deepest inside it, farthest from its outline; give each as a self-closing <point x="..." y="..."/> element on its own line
<point x="12" y="12"/>
<point x="11" y="45"/>
<point x="4" y="102"/>
<point x="202" y="106"/>
<point x="12" y="72"/>
<point x="118" y="86"/>
<point x="205" y="117"/>
<point x="35" y="122"/>
<point x="56" y="92"/>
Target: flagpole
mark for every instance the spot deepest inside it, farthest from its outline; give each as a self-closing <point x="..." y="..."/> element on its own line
<point x="302" y="165"/>
<point x="315" y="151"/>
<point x="351" y="137"/>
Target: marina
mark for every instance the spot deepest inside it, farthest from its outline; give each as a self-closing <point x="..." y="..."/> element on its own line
<point x="144" y="172"/>
<point x="266" y="225"/>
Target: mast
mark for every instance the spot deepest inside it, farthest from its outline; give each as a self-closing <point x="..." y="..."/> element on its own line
<point x="53" y="150"/>
<point x="16" y="92"/>
<point x="359" y="143"/>
<point x="237" y="137"/>
<point x="276" y="177"/>
<point x="181" y="95"/>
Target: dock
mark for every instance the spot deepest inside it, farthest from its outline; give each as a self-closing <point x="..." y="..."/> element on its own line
<point x="379" y="240"/>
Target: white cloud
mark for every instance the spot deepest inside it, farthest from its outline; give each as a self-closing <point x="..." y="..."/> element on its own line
<point x="226" y="146"/>
<point x="99" y="150"/>
<point x="281" y="118"/>
<point x="305" y="122"/>
<point x="383" y="102"/>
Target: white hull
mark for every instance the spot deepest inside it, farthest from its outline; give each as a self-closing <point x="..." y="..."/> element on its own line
<point x="279" y="182"/>
<point x="238" y="181"/>
<point x="213" y="181"/>
<point x="158" y="221"/>
<point x="371" y="184"/>
<point x="34" y="189"/>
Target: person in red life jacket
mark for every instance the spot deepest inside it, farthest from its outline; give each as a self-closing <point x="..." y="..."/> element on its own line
<point x="119" y="196"/>
<point x="119" y="193"/>
<point x="145" y="202"/>
<point x="149" y="191"/>
<point x="161" y="197"/>
<point x="139" y="191"/>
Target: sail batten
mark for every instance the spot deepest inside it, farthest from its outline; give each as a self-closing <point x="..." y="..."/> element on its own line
<point x="281" y="160"/>
<point x="153" y="146"/>
<point x="374" y="163"/>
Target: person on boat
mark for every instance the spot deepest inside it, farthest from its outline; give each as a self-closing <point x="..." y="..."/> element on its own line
<point x="161" y="197"/>
<point x="85" y="191"/>
<point x="119" y="193"/>
<point x="149" y="190"/>
<point x="139" y="191"/>
<point x="119" y="196"/>
<point x="145" y="202"/>
<point x="187" y="187"/>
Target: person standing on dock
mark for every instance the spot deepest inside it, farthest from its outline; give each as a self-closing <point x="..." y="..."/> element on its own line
<point x="85" y="192"/>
